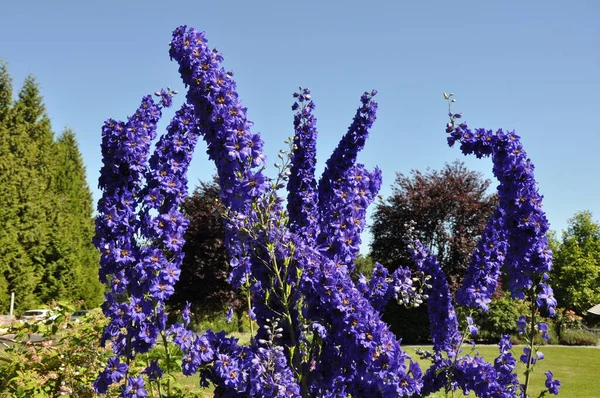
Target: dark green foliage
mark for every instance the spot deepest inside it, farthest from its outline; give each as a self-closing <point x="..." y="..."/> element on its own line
<point x="46" y="212"/>
<point x="72" y="264"/>
<point x="500" y="319"/>
<point x="205" y="267"/>
<point x="5" y="92"/>
<point x="409" y="324"/>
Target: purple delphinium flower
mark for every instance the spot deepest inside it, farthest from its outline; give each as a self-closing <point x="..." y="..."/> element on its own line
<point x="222" y="119"/>
<point x="153" y="371"/>
<point x="134" y="388"/>
<point x="347" y="188"/>
<point x="236" y="371"/>
<point x="114" y="372"/>
<point x="382" y="286"/>
<point x="450" y="369"/>
<point x="237" y="153"/>
<point x="484" y="268"/>
<point x="359" y="356"/>
<point x="270" y="375"/>
<point x="139" y="225"/>
<point x="522" y="324"/>
<point x="528" y="255"/>
<point x="302" y="187"/>
<point x="527" y="357"/>
<point x="543" y="328"/>
<point x="552" y="385"/>
<point x="442" y="316"/>
<point x="472" y="373"/>
<point x="471" y="327"/>
<point x="505" y="365"/>
<point x="186" y="314"/>
<point x="125" y="148"/>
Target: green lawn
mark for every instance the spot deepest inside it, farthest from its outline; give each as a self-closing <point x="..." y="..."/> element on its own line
<point x="578" y="368"/>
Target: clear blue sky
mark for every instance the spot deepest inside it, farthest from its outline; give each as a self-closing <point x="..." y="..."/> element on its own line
<point x="532" y="66"/>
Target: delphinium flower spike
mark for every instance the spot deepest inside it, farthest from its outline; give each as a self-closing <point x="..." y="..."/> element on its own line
<point x="481" y="279"/>
<point x="302" y="186"/>
<point x="125" y="151"/>
<point x="522" y="221"/>
<point x="347" y="188"/>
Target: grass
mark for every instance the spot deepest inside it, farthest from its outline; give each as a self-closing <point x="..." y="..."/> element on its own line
<point x="576" y="367"/>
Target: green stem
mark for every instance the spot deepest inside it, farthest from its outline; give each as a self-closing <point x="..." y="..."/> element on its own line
<point x="530" y="338"/>
<point x="294" y="359"/>
<point x="168" y="360"/>
<point x="456" y="352"/>
<point x="250" y="319"/>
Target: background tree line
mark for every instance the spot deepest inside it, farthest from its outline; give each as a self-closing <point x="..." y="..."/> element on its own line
<point x="46" y="207"/>
<point x="450" y="208"/>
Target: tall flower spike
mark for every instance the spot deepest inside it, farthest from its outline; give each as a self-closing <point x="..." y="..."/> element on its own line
<point x="125" y="148"/>
<point x="302" y="186"/>
<point x="347" y="188"/>
<point x="528" y="255"/>
<point x="442" y="316"/>
<point x="483" y="272"/>
<point x="236" y="151"/>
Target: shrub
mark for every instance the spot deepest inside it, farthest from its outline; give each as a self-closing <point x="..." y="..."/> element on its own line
<point x="568" y="319"/>
<point x="578" y="337"/>
<point x="67" y="360"/>
<point x="500" y="319"/>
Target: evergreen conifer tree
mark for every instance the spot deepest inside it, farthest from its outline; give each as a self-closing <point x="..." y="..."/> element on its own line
<point x="46" y="213"/>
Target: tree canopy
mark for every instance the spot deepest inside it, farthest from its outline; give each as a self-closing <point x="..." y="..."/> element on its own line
<point x="205" y="269"/>
<point x="576" y="273"/>
<point x="450" y="208"/>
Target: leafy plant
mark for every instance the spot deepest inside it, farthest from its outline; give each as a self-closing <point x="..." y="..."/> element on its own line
<point x="53" y="357"/>
<point x="578" y="337"/>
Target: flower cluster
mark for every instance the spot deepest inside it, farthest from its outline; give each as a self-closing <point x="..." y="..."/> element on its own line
<point x="505" y="365"/>
<point x="473" y="373"/>
<point x="346" y="188"/>
<point x="139" y="230"/>
<point x="331" y="299"/>
<point x="319" y="333"/>
<point x="237" y="371"/>
<point x="359" y="355"/>
<point x="382" y="287"/>
<point x="485" y="266"/>
<point x="302" y="187"/>
<point x="235" y="149"/>
<point x="528" y="258"/>
<point x="515" y="236"/>
<point x="442" y="317"/>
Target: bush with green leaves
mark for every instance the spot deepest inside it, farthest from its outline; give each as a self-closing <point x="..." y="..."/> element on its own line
<point x="62" y="357"/>
<point x="578" y="337"/>
<point x="568" y="319"/>
<point x="52" y="357"/>
<point x="500" y="319"/>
